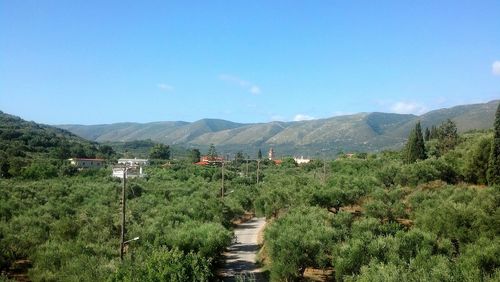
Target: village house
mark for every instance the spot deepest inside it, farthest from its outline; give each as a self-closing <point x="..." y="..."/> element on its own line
<point x="134" y="168"/>
<point x="208" y="160"/>
<point x="134" y="161"/>
<point x="87" y="163"/>
<point x="301" y="160"/>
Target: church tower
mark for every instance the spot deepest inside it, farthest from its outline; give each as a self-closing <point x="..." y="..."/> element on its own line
<point x="271" y="154"/>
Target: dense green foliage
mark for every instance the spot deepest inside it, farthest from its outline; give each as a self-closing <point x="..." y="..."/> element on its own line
<point x="447" y="136"/>
<point x="69" y="227"/>
<point x="168" y="265"/>
<point x="494" y="165"/>
<point x="377" y="219"/>
<point x="31" y="150"/>
<point x="299" y="240"/>
<point x="415" y="146"/>
<point x="194" y="155"/>
<point x="372" y="217"/>
<point x="160" y="152"/>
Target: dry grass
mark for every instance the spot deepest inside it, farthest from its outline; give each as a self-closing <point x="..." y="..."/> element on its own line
<point x="244" y="218"/>
<point x="320" y="275"/>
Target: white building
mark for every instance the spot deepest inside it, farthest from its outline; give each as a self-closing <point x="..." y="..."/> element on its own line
<point x="301" y="160"/>
<point x="134" y="168"/>
<point x="271" y="154"/>
<point x="132" y="172"/>
<point x="135" y="161"/>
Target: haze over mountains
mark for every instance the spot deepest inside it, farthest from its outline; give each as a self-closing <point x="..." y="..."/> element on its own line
<point x="359" y="132"/>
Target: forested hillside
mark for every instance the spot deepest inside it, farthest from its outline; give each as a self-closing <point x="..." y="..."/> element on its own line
<point x="35" y="150"/>
<point x="364" y="132"/>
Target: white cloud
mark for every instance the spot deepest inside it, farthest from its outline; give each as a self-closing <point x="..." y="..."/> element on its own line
<point x="165" y="87"/>
<point x="406" y="107"/>
<point x="250" y="87"/>
<point x="301" y="117"/>
<point x="255" y="89"/>
<point x="495" y="68"/>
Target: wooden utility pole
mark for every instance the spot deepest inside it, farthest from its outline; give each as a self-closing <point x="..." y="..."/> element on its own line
<point x="122" y="237"/>
<point x="222" y="190"/>
<point x="258" y="170"/>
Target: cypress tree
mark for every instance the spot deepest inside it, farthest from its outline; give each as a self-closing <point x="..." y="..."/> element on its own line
<point x="421" y="153"/>
<point x="415" y="147"/>
<point x="494" y="162"/>
<point x="212" y="153"/>
<point x="434" y="132"/>
<point x="427" y="134"/>
<point x="447" y="136"/>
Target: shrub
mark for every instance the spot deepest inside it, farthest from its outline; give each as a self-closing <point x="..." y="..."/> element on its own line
<point x="298" y="240"/>
<point x="168" y="265"/>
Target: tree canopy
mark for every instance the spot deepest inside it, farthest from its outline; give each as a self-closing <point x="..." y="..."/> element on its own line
<point x="494" y="164"/>
<point x="447" y="136"/>
<point x="415" y="147"/>
<point x="160" y="152"/>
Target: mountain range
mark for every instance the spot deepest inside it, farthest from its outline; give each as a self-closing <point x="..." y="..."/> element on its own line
<point x="358" y="132"/>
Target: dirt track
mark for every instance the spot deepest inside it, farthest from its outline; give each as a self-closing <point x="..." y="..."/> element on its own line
<point x="241" y="255"/>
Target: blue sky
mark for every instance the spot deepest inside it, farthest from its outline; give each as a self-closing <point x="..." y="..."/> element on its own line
<point x="91" y="62"/>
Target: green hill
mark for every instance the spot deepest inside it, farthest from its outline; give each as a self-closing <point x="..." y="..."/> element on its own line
<point x="359" y="132"/>
<point x="24" y="143"/>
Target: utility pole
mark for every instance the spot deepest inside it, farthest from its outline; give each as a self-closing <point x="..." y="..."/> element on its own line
<point x="258" y="170"/>
<point x="122" y="237"/>
<point x="222" y="190"/>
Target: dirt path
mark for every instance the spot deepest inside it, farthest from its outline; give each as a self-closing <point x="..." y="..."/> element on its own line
<point x="241" y="255"/>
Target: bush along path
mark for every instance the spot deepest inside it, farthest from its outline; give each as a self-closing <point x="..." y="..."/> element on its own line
<point x="240" y="258"/>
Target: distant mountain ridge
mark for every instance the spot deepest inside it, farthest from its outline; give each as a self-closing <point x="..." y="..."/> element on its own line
<point x="359" y="132"/>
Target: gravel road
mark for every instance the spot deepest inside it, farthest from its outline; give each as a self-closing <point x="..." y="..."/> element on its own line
<point x="241" y="255"/>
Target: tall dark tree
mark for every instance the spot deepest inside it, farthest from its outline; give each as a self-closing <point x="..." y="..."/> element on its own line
<point x="494" y="162"/>
<point x="427" y="135"/>
<point x="106" y="151"/>
<point x="212" y="153"/>
<point x="259" y="154"/>
<point x="415" y="147"/>
<point x="195" y="155"/>
<point x="239" y="158"/>
<point x="160" y="152"/>
<point x="62" y="152"/>
<point x="447" y="136"/>
<point x="4" y="165"/>
<point x="476" y="164"/>
<point x="434" y="132"/>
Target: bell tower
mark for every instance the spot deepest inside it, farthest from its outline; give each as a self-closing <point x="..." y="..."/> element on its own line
<point x="271" y="154"/>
